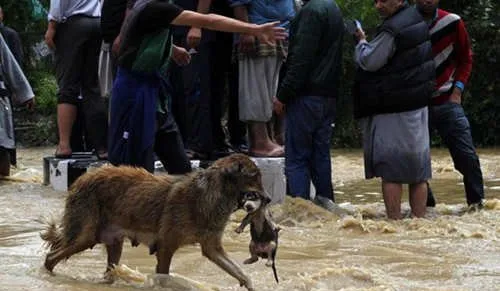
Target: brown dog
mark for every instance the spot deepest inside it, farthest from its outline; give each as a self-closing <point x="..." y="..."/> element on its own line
<point x="164" y="212"/>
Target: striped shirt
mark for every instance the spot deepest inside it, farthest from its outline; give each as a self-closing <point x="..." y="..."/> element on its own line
<point x="452" y="54"/>
<point x="60" y="10"/>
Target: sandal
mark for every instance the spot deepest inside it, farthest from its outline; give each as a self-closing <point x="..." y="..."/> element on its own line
<point x="276" y="153"/>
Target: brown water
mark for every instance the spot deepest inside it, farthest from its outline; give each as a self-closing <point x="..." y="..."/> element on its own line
<point x="449" y="250"/>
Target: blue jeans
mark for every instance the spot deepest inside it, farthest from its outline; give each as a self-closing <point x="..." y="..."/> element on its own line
<point x="307" y="145"/>
<point x="453" y="126"/>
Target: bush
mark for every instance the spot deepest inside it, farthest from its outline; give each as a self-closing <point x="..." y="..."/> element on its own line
<point x="45" y="88"/>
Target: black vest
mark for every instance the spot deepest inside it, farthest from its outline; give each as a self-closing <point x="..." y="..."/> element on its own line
<point x="407" y="81"/>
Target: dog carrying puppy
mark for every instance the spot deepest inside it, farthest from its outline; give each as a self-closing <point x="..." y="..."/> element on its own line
<point x="263" y="230"/>
<point x="163" y="212"/>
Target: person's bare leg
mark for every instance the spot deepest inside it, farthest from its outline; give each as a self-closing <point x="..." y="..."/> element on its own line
<point x="279" y="129"/>
<point x="4" y="162"/>
<point x="259" y="141"/>
<point x="66" y="116"/>
<point x="418" y="199"/>
<point x="392" y="198"/>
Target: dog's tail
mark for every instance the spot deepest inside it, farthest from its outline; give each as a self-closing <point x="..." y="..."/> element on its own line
<point x="52" y="234"/>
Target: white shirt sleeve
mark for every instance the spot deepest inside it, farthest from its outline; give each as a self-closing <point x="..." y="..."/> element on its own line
<point x="55" y="11"/>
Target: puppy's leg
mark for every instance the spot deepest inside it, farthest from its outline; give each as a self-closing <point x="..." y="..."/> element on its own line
<point x="114" y="254"/>
<point x="212" y="249"/>
<point x="253" y="252"/>
<point x="254" y="258"/>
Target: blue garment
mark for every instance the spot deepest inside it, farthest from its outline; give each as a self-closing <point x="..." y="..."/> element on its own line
<point x="453" y="126"/>
<point x="262" y="11"/>
<point x="133" y="118"/>
<point x="307" y="145"/>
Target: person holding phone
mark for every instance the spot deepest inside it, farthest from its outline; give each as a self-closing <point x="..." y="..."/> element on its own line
<point x="393" y="86"/>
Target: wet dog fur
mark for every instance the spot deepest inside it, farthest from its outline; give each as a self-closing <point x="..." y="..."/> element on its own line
<point x="263" y="231"/>
<point x="163" y="212"/>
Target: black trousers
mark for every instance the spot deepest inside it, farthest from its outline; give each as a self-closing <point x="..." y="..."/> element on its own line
<point x="78" y="44"/>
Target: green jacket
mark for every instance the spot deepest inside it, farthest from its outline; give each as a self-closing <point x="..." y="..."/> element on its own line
<point x="313" y="66"/>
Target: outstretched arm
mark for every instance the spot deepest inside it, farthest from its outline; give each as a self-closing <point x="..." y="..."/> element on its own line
<point x="268" y="32"/>
<point x="194" y="35"/>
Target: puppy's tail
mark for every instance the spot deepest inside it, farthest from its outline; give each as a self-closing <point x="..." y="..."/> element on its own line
<point x="52" y="234"/>
<point x="274" y="256"/>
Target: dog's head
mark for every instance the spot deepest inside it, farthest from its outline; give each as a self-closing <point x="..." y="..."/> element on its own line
<point x="246" y="178"/>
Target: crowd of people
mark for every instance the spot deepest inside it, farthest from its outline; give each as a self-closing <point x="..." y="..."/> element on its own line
<point x="170" y="70"/>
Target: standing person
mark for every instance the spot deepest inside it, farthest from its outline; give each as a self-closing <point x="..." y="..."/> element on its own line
<point x="393" y="87"/>
<point x="199" y="89"/>
<point x="259" y="66"/>
<point x="138" y="91"/>
<point x="12" y="39"/>
<point x="15" y="45"/>
<point x="309" y="88"/>
<point x="452" y="53"/>
<point x="73" y="33"/>
<point x="112" y="16"/>
<point x="20" y="92"/>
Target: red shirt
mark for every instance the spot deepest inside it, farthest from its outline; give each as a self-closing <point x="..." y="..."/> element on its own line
<point x="452" y="53"/>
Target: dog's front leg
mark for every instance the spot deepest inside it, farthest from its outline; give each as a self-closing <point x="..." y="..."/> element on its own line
<point x="214" y="252"/>
<point x="164" y="255"/>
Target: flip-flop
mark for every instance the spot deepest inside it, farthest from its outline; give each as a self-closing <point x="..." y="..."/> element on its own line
<point x="273" y="154"/>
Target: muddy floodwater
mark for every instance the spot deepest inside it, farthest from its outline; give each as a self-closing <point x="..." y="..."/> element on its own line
<point x="448" y="250"/>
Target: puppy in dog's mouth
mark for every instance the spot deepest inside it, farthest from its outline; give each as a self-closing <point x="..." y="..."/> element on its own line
<point x="263" y="230"/>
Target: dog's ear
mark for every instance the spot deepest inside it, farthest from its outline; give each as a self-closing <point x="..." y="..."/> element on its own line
<point x="238" y="168"/>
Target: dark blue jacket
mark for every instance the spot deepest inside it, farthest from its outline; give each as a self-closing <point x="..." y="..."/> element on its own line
<point x="406" y="82"/>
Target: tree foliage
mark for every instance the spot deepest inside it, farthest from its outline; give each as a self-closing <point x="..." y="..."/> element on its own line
<point x="482" y="96"/>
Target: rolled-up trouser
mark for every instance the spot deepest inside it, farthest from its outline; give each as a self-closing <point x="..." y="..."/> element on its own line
<point x="77" y="56"/>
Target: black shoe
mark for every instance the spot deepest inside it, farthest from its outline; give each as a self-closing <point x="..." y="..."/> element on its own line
<point x="240" y="148"/>
<point x="221" y="152"/>
<point x="194" y="155"/>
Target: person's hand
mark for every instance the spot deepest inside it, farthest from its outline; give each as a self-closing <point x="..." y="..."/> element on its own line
<point x="360" y="35"/>
<point x="247" y="43"/>
<point x="180" y="56"/>
<point x="49" y="37"/>
<point x="279" y="108"/>
<point x="270" y="32"/>
<point x="193" y="37"/>
<point x="456" y="96"/>
<point x="30" y="104"/>
<point x="115" y="48"/>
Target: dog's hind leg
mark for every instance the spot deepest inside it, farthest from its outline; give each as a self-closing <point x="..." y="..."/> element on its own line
<point x="114" y="254"/>
<point x="213" y="250"/>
